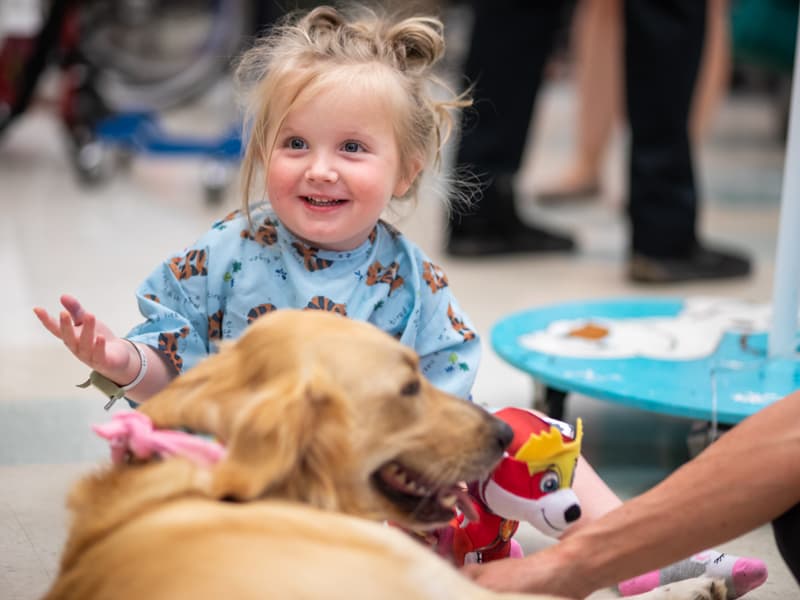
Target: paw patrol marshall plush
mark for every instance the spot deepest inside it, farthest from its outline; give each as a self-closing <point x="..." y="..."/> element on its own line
<point x="532" y="483"/>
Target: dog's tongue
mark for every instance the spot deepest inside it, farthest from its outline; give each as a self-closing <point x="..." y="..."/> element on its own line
<point x="464" y="502"/>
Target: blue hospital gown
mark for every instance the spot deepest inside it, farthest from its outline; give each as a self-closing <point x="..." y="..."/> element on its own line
<point x="234" y="273"/>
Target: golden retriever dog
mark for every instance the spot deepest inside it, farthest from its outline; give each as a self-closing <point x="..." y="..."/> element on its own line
<point x="330" y="429"/>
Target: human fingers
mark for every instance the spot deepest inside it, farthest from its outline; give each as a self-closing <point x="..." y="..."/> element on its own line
<point x="74" y="308"/>
<point x="49" y="322"/>
<point x="471" y="571"/>
<point x="67" y="331"/>
<point x="493" y="575"/>
<point x="535" y="573"/>
<point x="86" y="339"/>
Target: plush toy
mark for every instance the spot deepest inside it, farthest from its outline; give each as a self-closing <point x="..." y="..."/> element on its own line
<point x="532" y="483"/>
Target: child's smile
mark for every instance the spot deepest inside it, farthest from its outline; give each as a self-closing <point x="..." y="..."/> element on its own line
<point x="321" y="202"/>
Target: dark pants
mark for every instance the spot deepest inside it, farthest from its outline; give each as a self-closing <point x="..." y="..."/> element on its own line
<point x="511" y="43"/>
<point x="787" y="538"/>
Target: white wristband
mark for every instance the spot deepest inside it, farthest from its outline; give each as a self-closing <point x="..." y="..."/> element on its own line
<point x="142" y="367"/>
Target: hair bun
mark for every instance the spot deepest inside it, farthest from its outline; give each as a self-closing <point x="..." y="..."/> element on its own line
<point x="322" y="18"/>
<point x="418" y="42"/>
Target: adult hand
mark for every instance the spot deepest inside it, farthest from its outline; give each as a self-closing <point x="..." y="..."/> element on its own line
<point x="91" y="341"/>
<point x="542" y="572"/>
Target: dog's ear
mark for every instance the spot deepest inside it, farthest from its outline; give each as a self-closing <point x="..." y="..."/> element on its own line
<point x="287" y="444"/>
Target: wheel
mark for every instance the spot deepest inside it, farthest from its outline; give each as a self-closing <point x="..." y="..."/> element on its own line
<point x="152" y="55"/>
<point x="92" y="162"/>
<point x="92" y="159"/>
<point x="548" y="400"/>
<point x="216" y="175"/>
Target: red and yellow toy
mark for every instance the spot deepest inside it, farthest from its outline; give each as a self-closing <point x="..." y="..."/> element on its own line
<point x="532" y="483"/>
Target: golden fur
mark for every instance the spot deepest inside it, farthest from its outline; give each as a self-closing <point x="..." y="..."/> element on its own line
<point x="311" y="406"/>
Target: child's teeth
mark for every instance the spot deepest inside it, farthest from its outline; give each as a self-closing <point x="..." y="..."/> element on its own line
<point x="313" y="200"/>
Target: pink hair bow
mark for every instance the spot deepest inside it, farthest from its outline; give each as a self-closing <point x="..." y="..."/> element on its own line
<point x="133" y="432"/>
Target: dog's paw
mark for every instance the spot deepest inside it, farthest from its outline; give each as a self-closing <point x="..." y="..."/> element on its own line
<point x="696" y="588"/>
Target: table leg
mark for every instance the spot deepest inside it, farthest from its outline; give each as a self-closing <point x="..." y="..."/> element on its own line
<point x="548" y="400"/>
<point x="701" y="436"/>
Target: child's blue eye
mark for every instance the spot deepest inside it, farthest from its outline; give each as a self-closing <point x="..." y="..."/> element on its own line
<point x="351" y="146"/>
<point x="296" y="143"/>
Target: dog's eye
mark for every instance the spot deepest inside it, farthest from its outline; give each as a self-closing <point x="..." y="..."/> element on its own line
<point x="411" y="388"/>
<point x="550" y="482"/>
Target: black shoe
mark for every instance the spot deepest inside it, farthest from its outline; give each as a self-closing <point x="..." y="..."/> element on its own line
<point x="701" y="263"/>
<point x="524" y="239"/>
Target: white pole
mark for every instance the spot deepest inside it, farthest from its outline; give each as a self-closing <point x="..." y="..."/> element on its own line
<point x="787" y="254"/>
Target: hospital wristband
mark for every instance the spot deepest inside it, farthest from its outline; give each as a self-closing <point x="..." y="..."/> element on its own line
<point x="142" y="367"/>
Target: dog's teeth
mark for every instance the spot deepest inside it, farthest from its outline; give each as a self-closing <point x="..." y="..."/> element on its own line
<point x="448" y="501"/>
<point x="401" y="479"/>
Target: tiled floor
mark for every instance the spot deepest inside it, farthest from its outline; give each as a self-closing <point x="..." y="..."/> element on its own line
<point x="56" y="237"/>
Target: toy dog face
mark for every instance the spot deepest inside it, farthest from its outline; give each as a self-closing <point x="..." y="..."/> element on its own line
<point x="533" y="481"/>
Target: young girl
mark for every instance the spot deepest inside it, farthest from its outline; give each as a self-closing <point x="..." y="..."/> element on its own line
<point x="341" y="121"/>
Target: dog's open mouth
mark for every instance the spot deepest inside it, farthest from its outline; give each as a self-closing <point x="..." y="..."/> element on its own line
<point x="419" y="499"/>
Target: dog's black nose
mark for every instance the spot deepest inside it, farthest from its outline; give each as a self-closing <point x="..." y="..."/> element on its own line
<point x="503" y="434"/>
<point x="573" y="513"/>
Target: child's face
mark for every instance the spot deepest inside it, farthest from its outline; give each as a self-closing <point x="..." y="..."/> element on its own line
<point x="334" y="169"/>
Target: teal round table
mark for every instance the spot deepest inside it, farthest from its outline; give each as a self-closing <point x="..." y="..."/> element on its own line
<point x="733" y="382"/>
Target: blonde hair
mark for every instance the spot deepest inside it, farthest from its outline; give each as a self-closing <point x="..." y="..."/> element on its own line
<point x="326" y="47"/>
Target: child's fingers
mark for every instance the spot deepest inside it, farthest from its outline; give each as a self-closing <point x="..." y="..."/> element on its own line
<point x="68" y="332"/>
<point x="74" y="308"/>
<point x="86" y="341"/>
<point x="49" y="322"/>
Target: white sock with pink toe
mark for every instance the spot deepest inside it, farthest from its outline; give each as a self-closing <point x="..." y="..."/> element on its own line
<point x="741" y="574"/>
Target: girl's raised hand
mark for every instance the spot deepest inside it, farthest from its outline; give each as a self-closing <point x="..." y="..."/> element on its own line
<point x="90" y="340"/>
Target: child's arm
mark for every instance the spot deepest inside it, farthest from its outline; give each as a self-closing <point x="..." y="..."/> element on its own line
<point x="95" y="345"/>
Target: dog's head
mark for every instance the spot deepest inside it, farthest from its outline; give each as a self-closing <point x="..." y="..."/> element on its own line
<point x="318" y="408"/>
